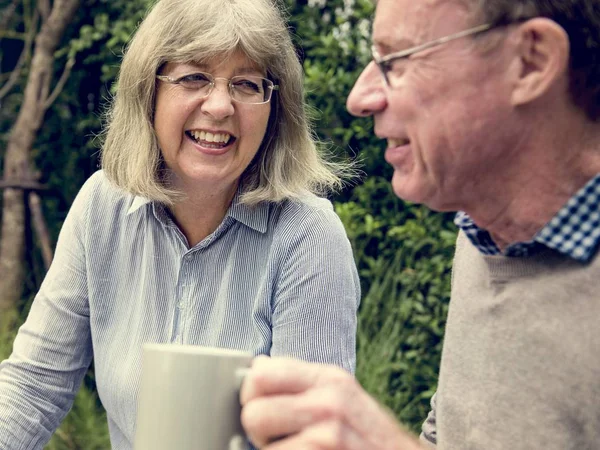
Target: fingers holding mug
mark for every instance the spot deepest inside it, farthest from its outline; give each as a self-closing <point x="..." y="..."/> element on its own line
<point x="274" y="376"/>
<point x="288" y="405"/>
<point x="287" y="402"/>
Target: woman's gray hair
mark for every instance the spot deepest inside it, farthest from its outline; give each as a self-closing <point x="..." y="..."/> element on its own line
<point x="288" y="163"/>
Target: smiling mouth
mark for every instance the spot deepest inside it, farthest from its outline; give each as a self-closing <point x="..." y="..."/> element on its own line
<point x="392" y="143"/>
<point x="211" y="140"/>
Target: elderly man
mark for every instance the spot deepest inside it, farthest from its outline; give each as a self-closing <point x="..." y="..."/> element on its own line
<point x="491" y="108"/>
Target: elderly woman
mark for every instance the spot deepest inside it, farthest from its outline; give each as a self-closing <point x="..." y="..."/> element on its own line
<point x="202" y="228"/>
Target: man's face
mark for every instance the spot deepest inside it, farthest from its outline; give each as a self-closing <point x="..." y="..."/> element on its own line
<point x="447" y="118"/>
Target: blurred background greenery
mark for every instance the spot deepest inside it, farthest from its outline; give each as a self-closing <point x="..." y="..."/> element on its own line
<point x="403" y="251"/>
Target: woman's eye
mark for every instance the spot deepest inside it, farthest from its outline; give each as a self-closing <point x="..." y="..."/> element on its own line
<point x="247" y="86"/>
<point x="194" y="80"/>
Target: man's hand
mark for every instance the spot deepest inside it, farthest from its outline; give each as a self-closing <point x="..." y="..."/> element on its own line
<point x="289" y="404"/>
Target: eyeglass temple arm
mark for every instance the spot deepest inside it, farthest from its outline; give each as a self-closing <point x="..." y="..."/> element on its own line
<point x="442" y="40"/>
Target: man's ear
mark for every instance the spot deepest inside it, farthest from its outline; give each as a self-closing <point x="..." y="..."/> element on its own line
<point x="543" y="58"/>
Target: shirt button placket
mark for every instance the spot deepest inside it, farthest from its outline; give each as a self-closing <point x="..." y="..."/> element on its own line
<point x="183" y="299"/>
<point x="180" y="306"/>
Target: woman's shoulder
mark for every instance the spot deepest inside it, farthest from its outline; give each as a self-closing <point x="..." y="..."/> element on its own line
<point x="305" y="206"/>
<point x="101" y="195"/>
<point x="311" y="201"/>
<point x="98" y="184"/>
<point x="308" y="211"/>
<point x="310" y="226"/>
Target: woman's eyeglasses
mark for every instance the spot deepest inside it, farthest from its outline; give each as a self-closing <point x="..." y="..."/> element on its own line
<point x="248" y="89"/>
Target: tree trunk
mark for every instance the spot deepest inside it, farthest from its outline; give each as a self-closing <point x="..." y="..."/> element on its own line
<point x="40" y="228"/>
<point x="17" y="167"/>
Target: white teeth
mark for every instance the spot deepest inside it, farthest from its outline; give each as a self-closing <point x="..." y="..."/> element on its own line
<point x="397" y="142"/>
<point x="210" y="137"/>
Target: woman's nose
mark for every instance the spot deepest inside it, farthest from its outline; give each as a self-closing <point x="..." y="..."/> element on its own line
<point x="218" y="103"/>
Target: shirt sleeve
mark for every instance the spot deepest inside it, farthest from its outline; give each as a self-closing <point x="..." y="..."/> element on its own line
<point x="429" y="431"/>
<point x="317" y="294"/>
<point x="52" y="350"/>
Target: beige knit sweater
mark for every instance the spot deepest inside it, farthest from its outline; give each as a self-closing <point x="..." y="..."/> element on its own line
<point x="521" y="359"/>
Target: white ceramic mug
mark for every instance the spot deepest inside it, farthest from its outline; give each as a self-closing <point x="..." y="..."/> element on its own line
<point x="189" y="398"/>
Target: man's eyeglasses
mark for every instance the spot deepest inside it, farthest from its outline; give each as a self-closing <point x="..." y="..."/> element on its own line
<point x="242" y="88"/>
<point x="385" y="63"/>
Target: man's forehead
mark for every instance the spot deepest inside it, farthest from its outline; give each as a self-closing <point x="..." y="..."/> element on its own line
<point x="401" y="22"/>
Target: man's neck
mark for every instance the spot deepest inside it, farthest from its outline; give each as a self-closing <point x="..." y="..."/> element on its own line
<point x="536" y="189"/>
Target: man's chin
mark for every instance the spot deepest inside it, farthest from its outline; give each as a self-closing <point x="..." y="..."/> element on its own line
<point x="405" y="189"/>
<point x="417" y="193"/>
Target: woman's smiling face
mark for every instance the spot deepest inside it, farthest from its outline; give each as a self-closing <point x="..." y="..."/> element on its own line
<point x="207" y="143"/>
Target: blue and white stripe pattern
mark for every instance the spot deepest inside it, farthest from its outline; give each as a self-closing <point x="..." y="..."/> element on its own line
<point x="574" y="231"/>
<point x="278" y="279"/>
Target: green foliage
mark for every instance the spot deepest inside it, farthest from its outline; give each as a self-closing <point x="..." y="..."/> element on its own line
<point x="333" y="40"/>
<point x="65" y="153"/>
<point x="9" y="321"/>
<point x="403" y="251"/>
<point x="85" y="425"/>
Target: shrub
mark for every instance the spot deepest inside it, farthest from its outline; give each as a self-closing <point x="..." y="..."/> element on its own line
<point x="403" y="251"/>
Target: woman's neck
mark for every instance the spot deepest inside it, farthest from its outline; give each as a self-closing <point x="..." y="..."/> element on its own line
<point x="201" y="213"/>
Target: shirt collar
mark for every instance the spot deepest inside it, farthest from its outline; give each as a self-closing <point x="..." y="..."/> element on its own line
<point x="137" y="203"/>
<point x="255" y="217"/>
<point x="574" y="231"/>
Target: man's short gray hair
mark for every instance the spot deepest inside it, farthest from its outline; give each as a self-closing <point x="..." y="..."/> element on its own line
<point x="581" y="21"/>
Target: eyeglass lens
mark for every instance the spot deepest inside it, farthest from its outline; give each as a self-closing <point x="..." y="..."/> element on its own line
<point x="243" y="88"/>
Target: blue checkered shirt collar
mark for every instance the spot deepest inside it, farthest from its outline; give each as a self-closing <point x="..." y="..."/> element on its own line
<point x="574" y="231"/>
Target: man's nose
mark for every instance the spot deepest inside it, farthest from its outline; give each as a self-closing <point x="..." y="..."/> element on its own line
<point x="368" y="95"/>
